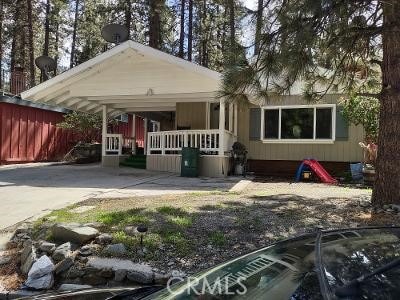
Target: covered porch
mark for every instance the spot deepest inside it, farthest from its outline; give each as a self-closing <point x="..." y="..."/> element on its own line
<point x="214" y="136"/>
<point x="176" y="99"/>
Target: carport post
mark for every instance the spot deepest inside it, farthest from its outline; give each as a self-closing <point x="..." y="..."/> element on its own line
<point x="221" y="127"/>
<point x="133" y="134"/>
<point x="104" y="131"/>
<point x="145" y="136"/>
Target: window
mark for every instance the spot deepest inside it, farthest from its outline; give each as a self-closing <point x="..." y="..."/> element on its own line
<point x="304" y="123"/>
<point x="122" y="118"/>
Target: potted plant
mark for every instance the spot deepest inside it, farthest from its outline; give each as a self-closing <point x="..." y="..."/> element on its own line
<point x="362" y="110"/>
<point x="370" y="154"/>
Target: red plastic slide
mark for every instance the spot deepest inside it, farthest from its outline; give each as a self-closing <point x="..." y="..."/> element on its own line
<point x="319" y="170"/>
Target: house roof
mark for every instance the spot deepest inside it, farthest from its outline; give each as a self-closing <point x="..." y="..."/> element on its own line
<point x="129" y="77"/>
<point x="12" y="99"/>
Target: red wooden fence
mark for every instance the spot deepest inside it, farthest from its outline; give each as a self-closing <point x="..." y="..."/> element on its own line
<point x="29" y="134"/>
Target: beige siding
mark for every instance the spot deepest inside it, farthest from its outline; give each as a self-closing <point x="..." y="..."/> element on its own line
<point x="165" y="163"/>
<point x="345" y="151"/>
<point x="209" y="165"/>
<point x="191" y="115"/>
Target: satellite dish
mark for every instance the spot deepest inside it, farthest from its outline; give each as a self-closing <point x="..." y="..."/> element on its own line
<point x="115" y="33"/>
<point x="46" y="64"/>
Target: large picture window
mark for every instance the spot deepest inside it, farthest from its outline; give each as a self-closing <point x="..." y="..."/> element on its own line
<point x="305" y="123"/>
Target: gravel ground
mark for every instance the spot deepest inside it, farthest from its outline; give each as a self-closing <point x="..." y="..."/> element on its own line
<point x="209" y="228"/>
<point x="225" y="225"/>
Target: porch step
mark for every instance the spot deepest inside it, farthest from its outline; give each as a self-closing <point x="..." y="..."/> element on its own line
<point x="135" y="161"/>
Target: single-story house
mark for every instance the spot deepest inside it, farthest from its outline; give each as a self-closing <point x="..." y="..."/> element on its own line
<point x="180" y="97"/>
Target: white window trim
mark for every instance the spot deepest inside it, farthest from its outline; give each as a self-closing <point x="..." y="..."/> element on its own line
<point x="299" y="141"/>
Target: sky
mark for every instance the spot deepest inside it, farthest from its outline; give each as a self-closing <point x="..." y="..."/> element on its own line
<point x="250" y="3"/>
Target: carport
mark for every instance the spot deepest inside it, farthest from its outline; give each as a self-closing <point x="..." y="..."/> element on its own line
<point x="136" y="79"/>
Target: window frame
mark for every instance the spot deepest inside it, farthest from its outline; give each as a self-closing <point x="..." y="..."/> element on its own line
<point x="314" y="140"/>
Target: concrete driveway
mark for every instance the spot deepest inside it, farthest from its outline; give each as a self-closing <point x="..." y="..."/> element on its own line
<point x="34" y="189"/>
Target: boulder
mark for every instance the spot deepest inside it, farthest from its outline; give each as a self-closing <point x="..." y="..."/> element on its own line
<point x="94" y="279"/>
<point x="62" y="252"/>
<point x="73" y="232"/>
<point x="141" y="276"/>
<point x="104" y="239"/>
<point x="47" y="247"/>
<point x="40" y="276"/>
<point x="73" y="287"/>
<point x="4" y="260"/>
<point x="106" y="273"/>
<point x="28" y="256"/>
<point x="120" y="275"/>
<point x="64" y="265"/>
<point x="73" y="272"/>
<point x="116" y="249"/>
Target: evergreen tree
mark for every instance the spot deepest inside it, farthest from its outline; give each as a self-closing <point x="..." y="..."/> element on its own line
<point x="349" y="47"/>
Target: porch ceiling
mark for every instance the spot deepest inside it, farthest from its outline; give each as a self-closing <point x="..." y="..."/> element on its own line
<point x="128" y="78"/>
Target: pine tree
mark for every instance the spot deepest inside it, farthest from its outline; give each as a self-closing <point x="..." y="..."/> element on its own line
<point x="31" y="45"/>
<point x="349" y="47"/>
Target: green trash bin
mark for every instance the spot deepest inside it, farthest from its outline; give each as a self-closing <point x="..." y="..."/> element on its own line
<point x="190" y="162"/>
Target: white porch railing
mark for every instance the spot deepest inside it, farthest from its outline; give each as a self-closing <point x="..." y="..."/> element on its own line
<point x="115" y="143"/>
<point x="208" y="141"/>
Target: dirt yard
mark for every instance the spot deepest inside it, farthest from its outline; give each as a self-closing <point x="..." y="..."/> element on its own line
<point x="194" y="231"/>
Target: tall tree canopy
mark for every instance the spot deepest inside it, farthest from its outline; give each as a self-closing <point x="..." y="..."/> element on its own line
<point x="349" y="47"/>
<point x="70" y="30"/>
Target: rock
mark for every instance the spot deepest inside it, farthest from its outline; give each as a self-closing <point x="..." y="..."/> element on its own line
<point x="28" y="257"/>
<point x="106" y="273"/>
<point x="62" y="252"/>
<point x="104" y="239"/>
<point x="170" y="263"/>
<point x="161" y="278"/>
<point x="116" y="249"/>
<point x="26" y="250"/>
<point x="120" y="275"/>
<point x="73" y="287"/>
<point x="47" y="247"/>
<point x="64" y="265"/>
<point x="141" y="276"/>
<point x="73" y="232"/>
<point x="41" y="267"/>
<point x="396" y="207"/>
<point x="73" y="272"/>
<point x="140" y="273"/>
<point x="85" y="251"/>
<point x="130" y="230"/>
<point x="94" y="279"/>
<point x="40" y="276"/>
<point x="4" y="260"/>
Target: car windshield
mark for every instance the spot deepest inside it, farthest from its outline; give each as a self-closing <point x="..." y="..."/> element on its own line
<point x="358" y="253"/>
<point x="275" y="272"/>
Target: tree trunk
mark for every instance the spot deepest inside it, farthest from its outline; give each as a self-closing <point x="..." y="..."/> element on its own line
<point x="190" y="31"/>
<point x="73" y="44"/>
<point x="155" y="23"/>
<point x="260" y="10"/>
<point x="128" y="16"/>
<point x="182" y="30"/>
<point x="31" y="46"/>
<point x="57" y="41"/>
<point x="387" y="184"/>
<point x="46" y="37"/>
<point x="1" y="41"/>
<point x="232" y="22"/>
